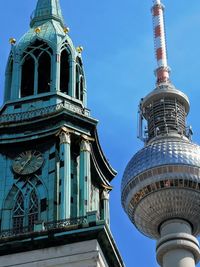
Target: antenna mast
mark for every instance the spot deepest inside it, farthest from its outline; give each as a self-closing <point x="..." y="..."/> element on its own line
<point x="163" y="71"/>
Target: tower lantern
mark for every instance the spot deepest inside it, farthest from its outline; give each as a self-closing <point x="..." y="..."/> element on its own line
<point x="161" y="183"/>
<point x="55" y="179"/>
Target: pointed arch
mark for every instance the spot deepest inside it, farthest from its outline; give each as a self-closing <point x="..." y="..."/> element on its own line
<point x="79" y="92"/>
<point x="8" y="79"/>
<point x="27" y="80"/>
<point x="36" y="68"/>
<point x="25" y="203"/>
<point x="18" y="213"/>
<point x="81" y="88"/>
<point x="64" y="71"/>
<point x="33" y="209"/>
<point x="44" y="72"/>
<point x="10" y="198"/>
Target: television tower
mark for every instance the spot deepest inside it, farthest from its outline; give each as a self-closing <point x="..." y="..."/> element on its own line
<point x="161" y="183"/>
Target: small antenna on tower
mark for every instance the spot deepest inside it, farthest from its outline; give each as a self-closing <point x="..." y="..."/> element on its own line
<point x="163" y="71"/>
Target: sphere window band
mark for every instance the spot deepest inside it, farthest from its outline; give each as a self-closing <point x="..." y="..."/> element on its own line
<point x="169" y="183"/>
<point x="164" y="171"/>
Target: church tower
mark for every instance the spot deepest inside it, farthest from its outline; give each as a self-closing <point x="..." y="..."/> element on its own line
<point x="55" y="179"/>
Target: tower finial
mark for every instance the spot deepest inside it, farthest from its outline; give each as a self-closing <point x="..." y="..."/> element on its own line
<point x="162" y="71"/>
<point x="46" y="10"/>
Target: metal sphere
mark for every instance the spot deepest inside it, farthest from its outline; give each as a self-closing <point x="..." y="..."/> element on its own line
<point x="161" y="182"/>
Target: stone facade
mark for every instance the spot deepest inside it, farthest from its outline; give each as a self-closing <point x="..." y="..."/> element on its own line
<point x="82" y="254"/>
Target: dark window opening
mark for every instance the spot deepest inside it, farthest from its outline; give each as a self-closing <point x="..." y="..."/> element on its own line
<point x="17" y="106"/>
<point x="52" y="155"/>
<point x="62" y="163"/>
<point x="59" y="198"/>
<point x="44" y="73"/>
<point x="27" y="84"/>
<point x="77" y="95"/>
<point x="78" y="60"/>
<point x="8" y="83"/>
<point x="81" y="89"/>
<point x="43" y="204"/>
<point x="64" y="72"/>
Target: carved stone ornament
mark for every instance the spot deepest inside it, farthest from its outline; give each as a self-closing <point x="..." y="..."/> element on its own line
<point x="64" y="137"/>
<point x="85" y="146"/>
<point x="105" y="195"/>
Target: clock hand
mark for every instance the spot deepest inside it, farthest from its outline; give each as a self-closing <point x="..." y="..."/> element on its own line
<point x="26" y="162"/>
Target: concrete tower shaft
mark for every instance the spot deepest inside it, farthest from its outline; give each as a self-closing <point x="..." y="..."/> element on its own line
<point x="161" y="183"/>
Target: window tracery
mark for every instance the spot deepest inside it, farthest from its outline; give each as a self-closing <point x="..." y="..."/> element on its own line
<point x="36" y="69"/>
<point x="64" y="71"/>
<point x="18" y="212"/>
<point x="79" y="80"/>
<point x="33" y="209"/>
<point x="26" y="209"/>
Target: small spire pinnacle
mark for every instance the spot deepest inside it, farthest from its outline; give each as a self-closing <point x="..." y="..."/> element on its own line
<point x="46" y="10"/>
<point x="163" y="71"/>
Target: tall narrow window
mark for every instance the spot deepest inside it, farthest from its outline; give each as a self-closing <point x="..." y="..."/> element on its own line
<point x="8" y="81"/>
<point x="64" y="72"/>
<point x="44" y="73"/>
<point x="33" y="209"/>
<point x="81" y="88"/>
<point x="28" y="70"/>
<point x="18" y="213"/>
<point x="77" y="82"/>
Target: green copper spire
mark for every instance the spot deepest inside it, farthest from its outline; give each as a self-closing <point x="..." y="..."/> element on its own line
<point x="46" y="10"/>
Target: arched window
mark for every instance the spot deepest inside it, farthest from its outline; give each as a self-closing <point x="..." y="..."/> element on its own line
<point x="28" y="71"/>
<point x="77" y="95"/>
<point x="36" y="69"/>
<point x="18" y="213"/>
<point x="64" y="72"/>
<point x="44" y="73"/>
<point x="26" y="210"/>
<point x="79" y="80"/>
<point x="33" y="209"/>
<point x="8" y="80"/>
<point x="81" y="88"/>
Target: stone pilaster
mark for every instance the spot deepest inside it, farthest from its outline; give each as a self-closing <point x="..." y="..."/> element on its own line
<point x="72" y="77"/>
<point x="65" y="175"/>
<point x="56" y="73"/>
<point x="106" y="207"/>
<point x="84" y="178"/>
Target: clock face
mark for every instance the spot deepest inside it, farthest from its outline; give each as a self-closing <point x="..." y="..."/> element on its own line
<point x="28" y="162"/>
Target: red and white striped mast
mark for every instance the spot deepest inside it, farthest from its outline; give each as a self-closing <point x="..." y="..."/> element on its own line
<point x="163" y="71"/>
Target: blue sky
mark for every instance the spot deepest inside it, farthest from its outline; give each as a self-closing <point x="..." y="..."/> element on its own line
<point x="119" y="62"/>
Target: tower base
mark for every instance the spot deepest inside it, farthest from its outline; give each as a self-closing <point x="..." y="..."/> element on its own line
<point x="89" y="246"/>
<point x="177" y="247"/>
<point x="81" y="254"/>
